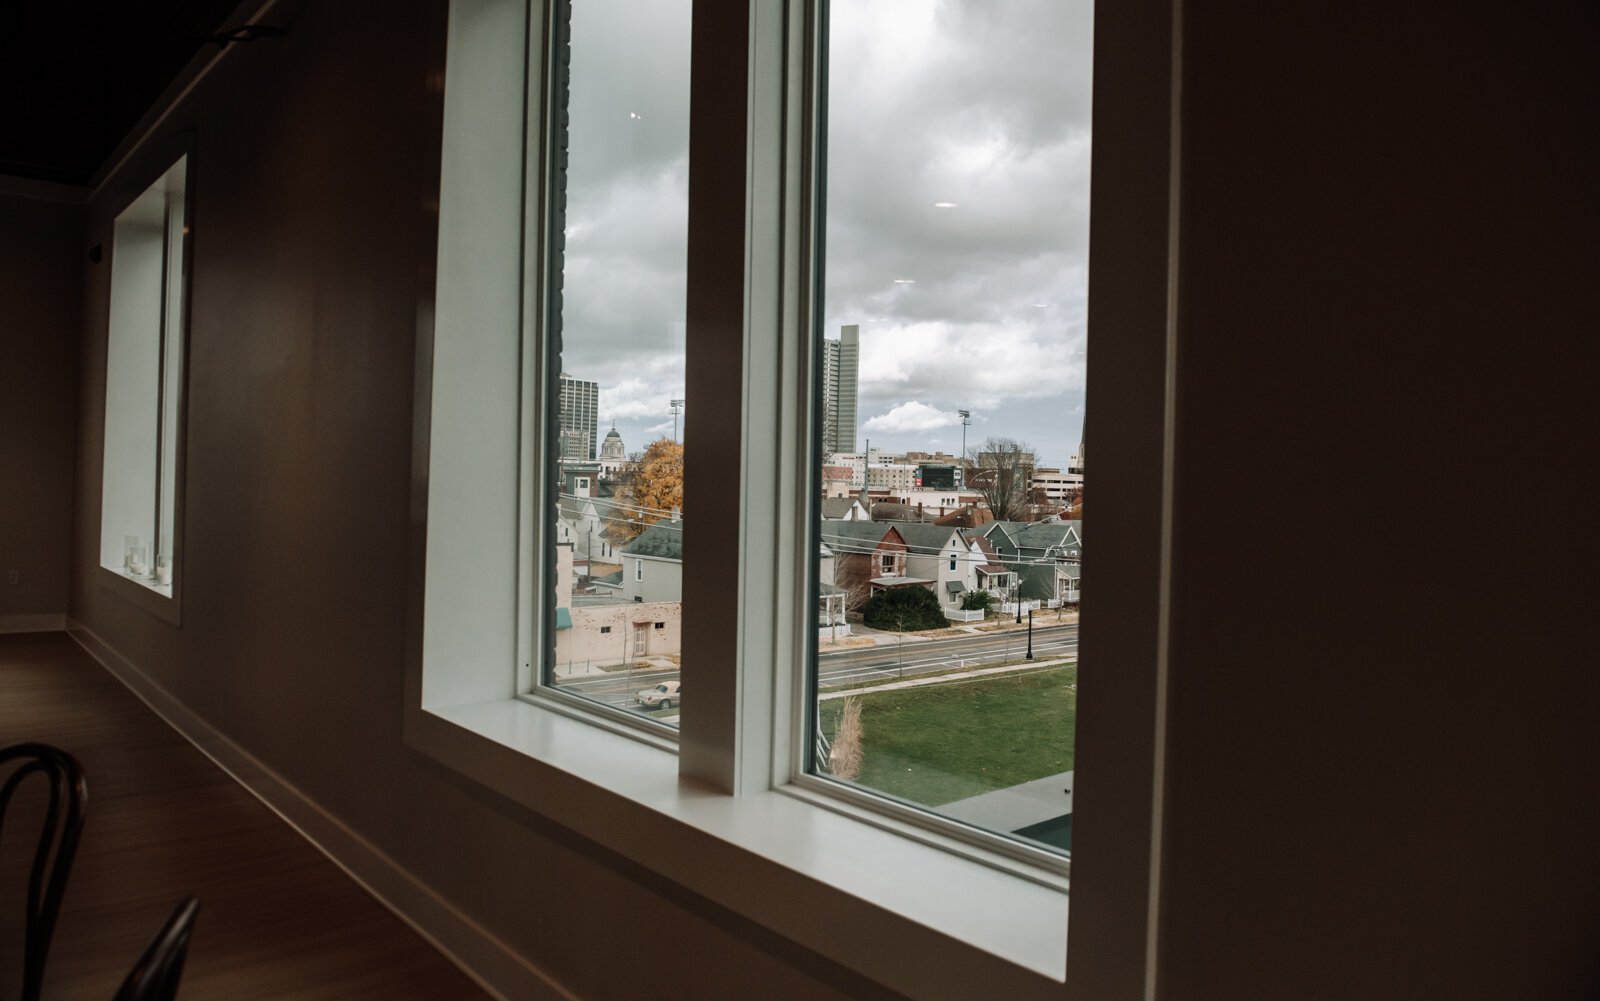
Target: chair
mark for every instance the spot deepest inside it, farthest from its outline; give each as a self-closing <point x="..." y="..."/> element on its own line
<point x="58" y="843"/>
<point x="155" y="976"/>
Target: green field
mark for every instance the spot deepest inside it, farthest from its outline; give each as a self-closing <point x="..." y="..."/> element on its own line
<point x="939" y="743"/>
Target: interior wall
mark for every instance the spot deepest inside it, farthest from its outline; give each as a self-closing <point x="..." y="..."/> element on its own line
<point x="40" y="255"/>
<point x="1383" y="772"/>
<point x="315" y="161"/>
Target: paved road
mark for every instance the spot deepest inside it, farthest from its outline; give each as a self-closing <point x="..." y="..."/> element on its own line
<point x="894" y="660"/>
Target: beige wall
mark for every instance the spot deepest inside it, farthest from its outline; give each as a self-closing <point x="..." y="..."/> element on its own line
<point x="41" y="259"/>
<point x="1387" y="253"/>
<point x="584" y="643"/>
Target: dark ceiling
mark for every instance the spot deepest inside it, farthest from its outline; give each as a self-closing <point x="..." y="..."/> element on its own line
<point x="77" y="75"/>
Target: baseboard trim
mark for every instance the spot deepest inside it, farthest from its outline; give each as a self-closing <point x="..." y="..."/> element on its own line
<point x="496" y="967"/>
<point x="53" y="622"/>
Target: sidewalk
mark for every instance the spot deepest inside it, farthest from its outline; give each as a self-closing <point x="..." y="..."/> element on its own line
<point x="989" y="627"/>
<point x="935" y="679"/>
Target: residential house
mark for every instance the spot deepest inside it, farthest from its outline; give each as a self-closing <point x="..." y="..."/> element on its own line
<point x="581" y="522"/>
<point x="652" y="564"/>
<point x="1046" y="556"/>
<point x="867" y="557"/>
<point x="942" y="555"/>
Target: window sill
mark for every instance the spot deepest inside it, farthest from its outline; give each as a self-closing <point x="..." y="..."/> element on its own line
<point x="159" y="600"/>
<point x="914" y="917"/>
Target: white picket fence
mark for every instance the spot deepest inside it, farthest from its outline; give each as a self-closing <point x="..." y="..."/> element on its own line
<point x="964" y="615"/>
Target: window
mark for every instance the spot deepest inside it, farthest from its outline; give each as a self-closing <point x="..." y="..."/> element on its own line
<point x="506" y="328"/>
<point x="144" y="385"/>
<point x="612" y="236"/>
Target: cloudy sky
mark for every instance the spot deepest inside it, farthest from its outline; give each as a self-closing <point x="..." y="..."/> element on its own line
<point x="978" y="304"/>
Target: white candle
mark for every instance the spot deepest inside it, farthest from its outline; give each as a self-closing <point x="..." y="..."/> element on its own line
<point x="164" y="574"/>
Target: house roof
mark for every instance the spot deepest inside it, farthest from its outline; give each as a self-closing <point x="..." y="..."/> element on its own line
<point x="848" y="536"/>
<point x="966" y="516"/>
<point x="664" y="539"/>
<point x="923" y="539"/>
<point x="1050" y="534"/>
<point x="837" y="507"/>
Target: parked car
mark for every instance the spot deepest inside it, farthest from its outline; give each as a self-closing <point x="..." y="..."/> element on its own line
<point x="663" y="696"/>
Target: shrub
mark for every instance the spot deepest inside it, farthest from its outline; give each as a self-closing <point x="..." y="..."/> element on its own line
<point x="974" y="601"/>
<point x="904" y="609"/>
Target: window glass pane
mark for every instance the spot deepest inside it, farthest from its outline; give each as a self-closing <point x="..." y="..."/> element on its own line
<point x="621" y="169"/>
<point x="144" y="379"/>
<point x="951" y="369"/>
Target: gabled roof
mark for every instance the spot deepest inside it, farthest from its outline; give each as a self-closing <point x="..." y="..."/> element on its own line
<point x="924" y="539"/>
<point x="571" y="508"/>
<point x="1000" y="529"/>
<point x="664" y="539"/>
<point x="854" y="535"/>
<point x="835" y="508"/>
<point x="1050" y="534"/>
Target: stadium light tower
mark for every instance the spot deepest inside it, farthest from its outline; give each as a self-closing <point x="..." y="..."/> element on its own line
<point x="677" y="408"/>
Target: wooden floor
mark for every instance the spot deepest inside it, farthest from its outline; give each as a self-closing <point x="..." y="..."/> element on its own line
<point x="277" y="919"/>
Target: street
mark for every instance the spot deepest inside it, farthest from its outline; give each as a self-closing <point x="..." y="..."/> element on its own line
<point x="892" y="660"/>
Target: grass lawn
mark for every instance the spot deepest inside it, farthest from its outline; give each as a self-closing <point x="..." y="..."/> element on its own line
<point x="940" y="743"/>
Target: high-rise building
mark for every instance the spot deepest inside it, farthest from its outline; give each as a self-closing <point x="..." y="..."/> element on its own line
<point x="841" y="360"/>
<point x="579" y="415"/>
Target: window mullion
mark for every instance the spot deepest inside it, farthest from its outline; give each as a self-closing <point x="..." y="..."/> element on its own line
<point x="736" y="360"/>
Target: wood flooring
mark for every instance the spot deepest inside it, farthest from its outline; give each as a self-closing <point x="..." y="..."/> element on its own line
<point x="277" y="921"/>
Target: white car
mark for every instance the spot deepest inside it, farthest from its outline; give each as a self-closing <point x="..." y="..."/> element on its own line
<point x="663" y="696"/>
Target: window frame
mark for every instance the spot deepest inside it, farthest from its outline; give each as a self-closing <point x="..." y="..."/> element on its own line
<point x="727" y="802"/>
<point x="163" y="155"/>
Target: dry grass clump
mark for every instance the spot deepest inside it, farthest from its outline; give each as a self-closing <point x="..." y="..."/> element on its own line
<point x="844" y="757"/>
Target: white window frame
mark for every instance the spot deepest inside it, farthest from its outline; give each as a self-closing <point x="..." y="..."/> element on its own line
<point x="162" y="601"/>
<point x="760" y="843"/>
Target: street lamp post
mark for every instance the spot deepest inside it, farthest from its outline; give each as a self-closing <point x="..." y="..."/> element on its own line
<point x="1016" y="599"/>
<point x="1029" y="654"/>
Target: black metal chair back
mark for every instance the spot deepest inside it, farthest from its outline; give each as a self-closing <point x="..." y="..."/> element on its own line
<point x="58" y="844"/>
<point x="155" y="977"/>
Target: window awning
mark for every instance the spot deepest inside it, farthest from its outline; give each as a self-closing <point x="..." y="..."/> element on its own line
<point x="954" y="586"/>
<point x="563" y="618"/>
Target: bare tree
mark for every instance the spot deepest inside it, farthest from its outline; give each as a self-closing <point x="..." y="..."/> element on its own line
<point x="1001" y="471"/>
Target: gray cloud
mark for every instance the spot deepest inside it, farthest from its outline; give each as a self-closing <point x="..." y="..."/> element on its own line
<point x="965" y="101"/>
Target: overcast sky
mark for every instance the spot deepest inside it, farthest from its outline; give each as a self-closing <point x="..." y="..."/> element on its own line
<point x="972" y="102"/>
